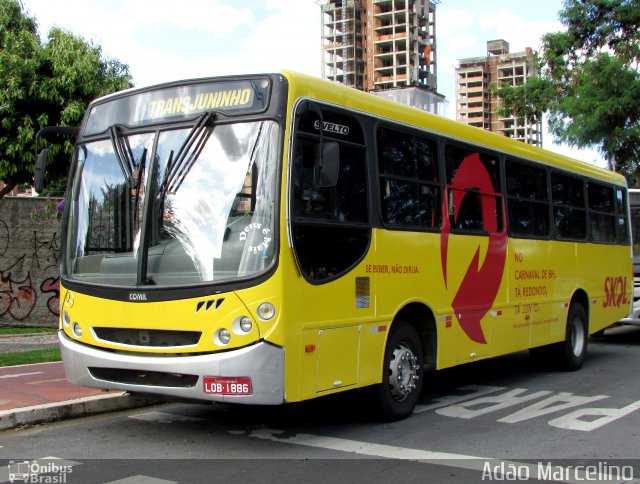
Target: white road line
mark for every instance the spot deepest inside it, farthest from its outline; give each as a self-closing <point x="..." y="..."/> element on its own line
<point x="141" y="480"/>
<point x="16" y="375"/>
<point x="491" y="468"/>
<point x="363" y="448"/>
<point x="44" y="381"/>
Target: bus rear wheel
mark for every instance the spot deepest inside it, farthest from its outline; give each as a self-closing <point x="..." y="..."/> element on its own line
<point x="570" y="353"/>
<point x="402" y="375"/>
<point x="574" y="350"/>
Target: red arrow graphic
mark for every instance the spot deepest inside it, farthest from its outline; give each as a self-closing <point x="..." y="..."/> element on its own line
<point x="480" y="285"/>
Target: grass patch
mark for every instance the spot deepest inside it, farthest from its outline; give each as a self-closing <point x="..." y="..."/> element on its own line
<point x="24" y="330"/>
<point x="27" y="357"/>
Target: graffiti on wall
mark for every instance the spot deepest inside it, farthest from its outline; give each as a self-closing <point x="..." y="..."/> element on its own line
<point x="29" y="275"/>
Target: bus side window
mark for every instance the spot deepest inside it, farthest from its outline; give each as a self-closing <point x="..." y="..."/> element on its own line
<point x="408" y="179"/>
<point x="528" y="200"/>
<point x="569" y="208"/>
<point x="473" y="183"/>
<point x="469" y="215"/>
<point x="602" y="212"/>
<point x="621" y="212"/>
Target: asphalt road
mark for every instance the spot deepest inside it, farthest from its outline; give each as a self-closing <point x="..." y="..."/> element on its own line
<point x="491" y="420"/>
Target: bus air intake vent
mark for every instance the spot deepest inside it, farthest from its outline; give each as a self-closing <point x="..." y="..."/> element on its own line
<point x="209" y="304"/>
<point x="148" y="337"/>
<point x="363" y="292"/>
<point x="144" y="377"/>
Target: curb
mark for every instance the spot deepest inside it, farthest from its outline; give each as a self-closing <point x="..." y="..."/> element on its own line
<point x="81" y="407"/>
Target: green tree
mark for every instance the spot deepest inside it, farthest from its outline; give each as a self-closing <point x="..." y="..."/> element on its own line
<point x="589" y="84"/>
<point x="45" y="84"/>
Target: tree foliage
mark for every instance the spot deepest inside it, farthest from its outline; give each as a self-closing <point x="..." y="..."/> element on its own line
<point x="45" y="84"/>
<point x="589" y="84"/>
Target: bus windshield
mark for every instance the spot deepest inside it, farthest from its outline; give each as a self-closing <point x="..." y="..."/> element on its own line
<point x="178" y="206"/>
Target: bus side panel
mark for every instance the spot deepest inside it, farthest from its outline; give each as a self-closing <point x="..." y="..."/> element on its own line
<point x="332" y="339"/>
<point x="416" y="268"/>
<point x="513" y="328"/>
<point x="608" y="272"/>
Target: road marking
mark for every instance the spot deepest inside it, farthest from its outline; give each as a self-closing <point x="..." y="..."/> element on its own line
<point x="491" y="468"/>
<point x="363" y="448"/>
<point x="16" y="375"/>
<point x="141" y="480"/>
<point x="44" y="381"/>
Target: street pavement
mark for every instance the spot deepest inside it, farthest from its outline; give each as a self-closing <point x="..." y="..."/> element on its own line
<point x="39" y="393"/>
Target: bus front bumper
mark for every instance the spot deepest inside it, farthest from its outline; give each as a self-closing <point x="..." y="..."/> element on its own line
<point x="178" y="376"/>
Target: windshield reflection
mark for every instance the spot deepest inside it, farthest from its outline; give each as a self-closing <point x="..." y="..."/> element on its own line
<point x="207" y="218"/>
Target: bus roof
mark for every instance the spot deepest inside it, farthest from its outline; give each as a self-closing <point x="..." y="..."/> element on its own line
<point x="312" y="87"/>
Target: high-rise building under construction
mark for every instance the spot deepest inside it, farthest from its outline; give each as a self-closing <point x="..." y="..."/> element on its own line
<point x="477" y="106"/>
<point x="387" y="47"/>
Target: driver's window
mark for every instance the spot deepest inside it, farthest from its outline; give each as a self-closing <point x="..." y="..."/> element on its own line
<point x="329" y="223"/>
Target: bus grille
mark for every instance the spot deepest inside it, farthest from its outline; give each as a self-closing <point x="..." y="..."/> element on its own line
<point x="148" y="337"/>
<point x="143" y="377"/>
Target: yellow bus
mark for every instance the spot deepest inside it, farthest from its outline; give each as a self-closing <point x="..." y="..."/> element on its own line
<point x="274" y="238"/>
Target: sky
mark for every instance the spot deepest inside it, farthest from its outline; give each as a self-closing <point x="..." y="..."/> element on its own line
<point x="165" y="40"/>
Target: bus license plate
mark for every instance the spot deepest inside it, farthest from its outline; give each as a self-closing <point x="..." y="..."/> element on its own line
<point x="227" y="386"/>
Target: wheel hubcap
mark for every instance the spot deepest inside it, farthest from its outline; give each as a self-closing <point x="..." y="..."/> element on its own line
<point x="404" y="372"/>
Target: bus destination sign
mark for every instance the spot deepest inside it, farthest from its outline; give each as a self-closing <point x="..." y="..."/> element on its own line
<point x="179" y="102"/>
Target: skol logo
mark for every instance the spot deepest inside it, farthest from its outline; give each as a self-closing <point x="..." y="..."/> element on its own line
<point x="615" y="292"/>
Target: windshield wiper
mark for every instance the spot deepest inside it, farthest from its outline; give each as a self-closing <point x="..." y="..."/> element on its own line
<point x="123" y="153"/>
<point x="179" y="167"/>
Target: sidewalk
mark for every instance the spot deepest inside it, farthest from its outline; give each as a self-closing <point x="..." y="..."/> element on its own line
<point x="39" y="393"/>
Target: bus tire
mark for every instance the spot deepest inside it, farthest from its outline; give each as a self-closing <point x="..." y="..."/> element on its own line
<point x="574" y="350"/>
<point x="402" y="373"/>
<point x="570" y="353"/>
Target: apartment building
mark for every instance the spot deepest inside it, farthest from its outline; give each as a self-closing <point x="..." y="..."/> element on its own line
<point x="476" y="106"/>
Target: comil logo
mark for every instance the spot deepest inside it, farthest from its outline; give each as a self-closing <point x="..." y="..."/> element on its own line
<point x="481" y="283"/>
<point x="615" y="292"/>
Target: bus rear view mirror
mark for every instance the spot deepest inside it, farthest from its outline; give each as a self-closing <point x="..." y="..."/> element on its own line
<point x="38" y="177"/>
<point x="328" y="165"/>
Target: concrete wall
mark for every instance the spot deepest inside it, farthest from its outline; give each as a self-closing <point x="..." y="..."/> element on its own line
<point x="29" y="262"/>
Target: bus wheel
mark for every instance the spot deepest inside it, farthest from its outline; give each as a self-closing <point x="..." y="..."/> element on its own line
<point x="570" y="353"/>
<point x="402" y="373"/>
<point x="576" y="337"/>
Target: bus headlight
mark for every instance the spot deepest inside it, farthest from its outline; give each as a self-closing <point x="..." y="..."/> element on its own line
<point x="77" y="330"/>
<point x="242" y="325"/>
<point x="245" y="324"/>
<point x="222" y="336"/>
<point x="266" y="311"/>
<point x="66" y="319"/>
